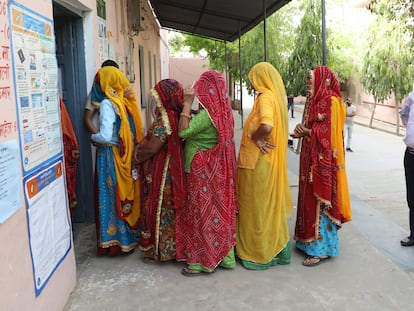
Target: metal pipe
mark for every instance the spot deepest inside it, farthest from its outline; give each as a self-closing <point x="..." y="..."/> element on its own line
<point x="264" y="31"/>
<point x="323" y="33"/>
<point x="241" y="79"/>
<point x="226" y="65"/>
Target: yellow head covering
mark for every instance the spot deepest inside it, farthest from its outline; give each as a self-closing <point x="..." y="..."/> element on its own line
<point x="117" y="88"/>
<point x="266" y="80"/>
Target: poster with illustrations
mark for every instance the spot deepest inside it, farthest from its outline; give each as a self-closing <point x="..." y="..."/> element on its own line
<point x="36" y="86"/>
<point x="35" y="73"/>
<point x="48" y="221"/>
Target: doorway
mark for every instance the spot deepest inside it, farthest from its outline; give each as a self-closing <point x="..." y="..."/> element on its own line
<point x="70" y="55"/>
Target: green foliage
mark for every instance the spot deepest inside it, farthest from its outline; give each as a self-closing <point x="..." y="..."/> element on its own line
<point x="340" y="56"/>
<point x="176" y="43"/>
<point x="388" y="67"/>
<point x="293" y="46"/>
<point x="307" y="52"/>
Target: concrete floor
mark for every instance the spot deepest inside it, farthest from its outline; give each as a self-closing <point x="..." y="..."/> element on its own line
<point x="373" y="272"/>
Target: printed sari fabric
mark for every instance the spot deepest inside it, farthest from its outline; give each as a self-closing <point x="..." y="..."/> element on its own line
<point x="118" y="194"/>
<point x="163" y="180"/>
<point x="323" y="188"/>
<point x="205" y="226"/>
<point x="262" y="179"/>
<point x="71" y="152"/>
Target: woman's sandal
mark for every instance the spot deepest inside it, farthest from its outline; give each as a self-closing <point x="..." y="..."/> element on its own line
<point x="312" y="261"/>
<point x="149" y="260"/>
<point x="191" y="272"/>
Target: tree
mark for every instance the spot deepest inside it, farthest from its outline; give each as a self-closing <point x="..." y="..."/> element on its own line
<point x="175" y="43"/>
<point x="388" y="66"/>
<point x="292" y="47"/>
<point x="307" y="52"/>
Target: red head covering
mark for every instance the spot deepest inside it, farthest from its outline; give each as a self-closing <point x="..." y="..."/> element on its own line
<point x="317" y="173"/>
<point x="169" y="96"/>
<point x="211" y="91"/>
<point x="220" y="161"/>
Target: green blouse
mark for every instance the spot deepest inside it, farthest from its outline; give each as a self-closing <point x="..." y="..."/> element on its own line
<point x="200" y="135"/>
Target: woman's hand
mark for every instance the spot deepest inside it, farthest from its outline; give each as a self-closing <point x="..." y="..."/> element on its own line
<point x="301" y="131"/>
<point x="264" y="145"/>
<point x="137" y="151"/>
<point x="188" y="99"/>
<point x="259" y="138"/>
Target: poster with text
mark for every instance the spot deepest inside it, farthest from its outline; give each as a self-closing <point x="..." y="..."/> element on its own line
<point x="36" y="86"/>
<point x="102" y="39"/>
<point x="10" y="176"/>
<point x="10" y="186"/>
<point x="48" y="221"/>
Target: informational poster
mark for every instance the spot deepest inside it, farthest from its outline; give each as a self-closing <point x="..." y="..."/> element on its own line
<point x="48" y="221"/>
<point x="10" y="185"/>
<point x="103" y="40"/>
<point x="36" y="74"/>
<point x="38" y="122"/>
<point x="10" y="194"/>
<point x="102" y="34"/>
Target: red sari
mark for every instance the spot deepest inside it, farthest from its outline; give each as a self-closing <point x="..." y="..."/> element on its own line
<point x="71" y="152"/>
<point x="163" y="181"/>
<point x="319" y="166"/>
<point x="206" y="225"/>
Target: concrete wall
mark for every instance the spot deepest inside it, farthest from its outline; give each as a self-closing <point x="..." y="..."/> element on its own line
<point x="385" y="112"/>
<point x="187" y="70"/>
<point x="16" y="271"/>
<point x="16" y="281"/>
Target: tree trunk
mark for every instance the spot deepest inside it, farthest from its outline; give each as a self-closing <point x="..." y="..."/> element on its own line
<point x="397" y="115"/>
<point x="373" y="113"/>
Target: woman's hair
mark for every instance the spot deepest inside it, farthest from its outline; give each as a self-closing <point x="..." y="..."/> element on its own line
<point x="109" y="62"/>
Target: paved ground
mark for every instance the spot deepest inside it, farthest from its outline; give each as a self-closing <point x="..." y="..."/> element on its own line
<point x="373" y="272"/>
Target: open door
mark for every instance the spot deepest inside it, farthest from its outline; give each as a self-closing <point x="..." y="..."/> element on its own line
<point x="72" y="84"/>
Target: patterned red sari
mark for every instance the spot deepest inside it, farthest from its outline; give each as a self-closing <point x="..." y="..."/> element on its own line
<point x="163" y="181"/>
<point x="206" y="225"/>
<point x="71" y="152"/>
<point x="320" y="181"/>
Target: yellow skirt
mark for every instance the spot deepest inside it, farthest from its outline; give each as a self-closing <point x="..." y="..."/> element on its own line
<point x="262" y="228"/>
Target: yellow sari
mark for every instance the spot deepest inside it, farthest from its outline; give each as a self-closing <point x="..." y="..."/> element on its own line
<point x="117" y="88"/>
<point x="262" y="179"/>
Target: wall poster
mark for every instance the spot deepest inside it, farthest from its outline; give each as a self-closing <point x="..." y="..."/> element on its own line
<point x="10" y="191"/>
<point x="102" y="34"/>
<point x="10" y="177"/>
<point x="36" y="91"/>
<point x="48" y="221"/>
<point x="35" y="72"/>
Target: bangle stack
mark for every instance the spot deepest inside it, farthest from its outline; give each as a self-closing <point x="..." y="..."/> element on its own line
<point x="186" y="115"/>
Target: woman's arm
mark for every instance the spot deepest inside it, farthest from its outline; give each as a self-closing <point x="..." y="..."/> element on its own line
<point x="146" y="150"/>
<point x="185" y="115"/>
<point x="301" y="131"/>
<point x="260" y="137"/>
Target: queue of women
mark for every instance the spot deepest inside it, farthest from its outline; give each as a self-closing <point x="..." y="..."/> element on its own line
<point x="181" y="193"/>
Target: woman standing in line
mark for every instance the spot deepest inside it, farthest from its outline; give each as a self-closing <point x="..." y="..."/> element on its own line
<point x="117" y="205"/>
<point x="323" y="200"/>
<point x="163" y="187"/>
<point x="262" y="181"/>
<point x="206" y="225"/>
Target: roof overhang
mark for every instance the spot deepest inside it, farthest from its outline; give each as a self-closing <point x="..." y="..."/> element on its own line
<point x="220" y="19"/>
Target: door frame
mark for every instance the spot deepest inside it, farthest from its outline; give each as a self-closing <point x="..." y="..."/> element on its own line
<point x="74" y="78"/>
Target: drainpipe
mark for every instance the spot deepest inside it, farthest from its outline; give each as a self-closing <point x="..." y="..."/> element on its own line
<point x="323" y="34"/>
<point x="241" y="82"/>
<point x="264" y="31"/>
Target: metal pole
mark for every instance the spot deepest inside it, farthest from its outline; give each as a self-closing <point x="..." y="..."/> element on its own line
<point x="264" y="31"/>
<point x="227" y="65"/>
<point x="323" y="34"/>
<point x="241" y="78"/>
